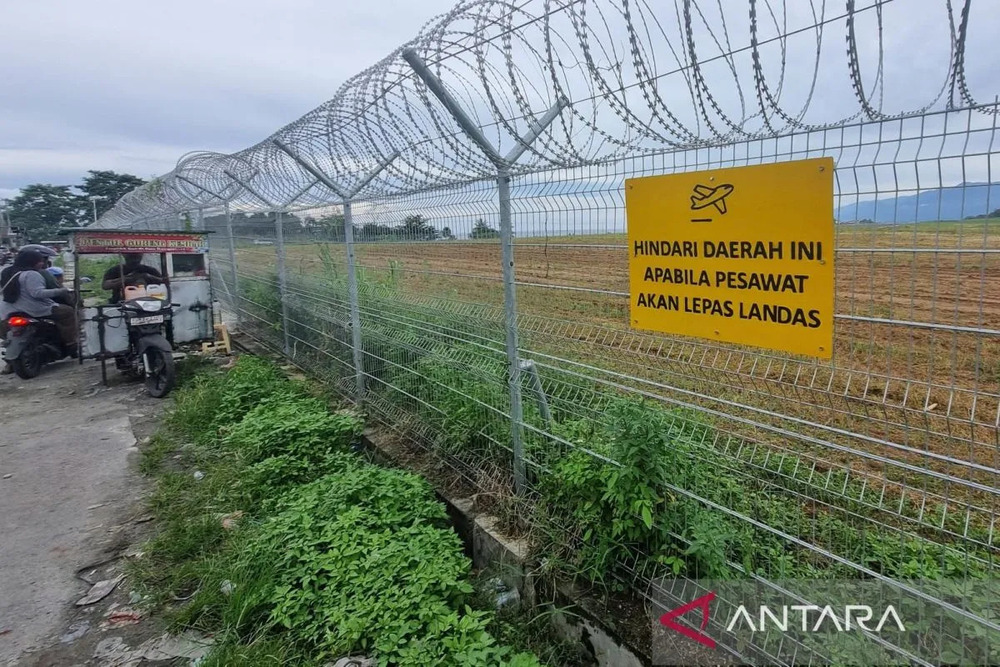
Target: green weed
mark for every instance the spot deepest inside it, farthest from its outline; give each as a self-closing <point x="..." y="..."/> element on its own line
<point x="285" y="424"/>
<point x="153" y="455"/>
<point x="249" y="382"/>
<point x="331" y="555"/>
<point x="264" y="652"/>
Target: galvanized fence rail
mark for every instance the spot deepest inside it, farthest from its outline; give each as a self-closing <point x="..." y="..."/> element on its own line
<point x="444" y="242"/>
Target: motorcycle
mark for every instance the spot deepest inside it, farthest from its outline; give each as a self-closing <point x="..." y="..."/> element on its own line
<point x="31" y="343"/>
<point x="149" y="355"/>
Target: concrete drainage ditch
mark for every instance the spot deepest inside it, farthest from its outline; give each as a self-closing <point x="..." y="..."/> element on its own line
<point x="491" y="550"/>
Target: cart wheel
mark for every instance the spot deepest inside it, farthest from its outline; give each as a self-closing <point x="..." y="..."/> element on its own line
<point x="160" y="379"/>
<point x="130" y="368"/>
<point x="29" y="363"/>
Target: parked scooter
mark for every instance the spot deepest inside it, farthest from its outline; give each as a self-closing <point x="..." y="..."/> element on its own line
<point x="31" y="343"/>
<point x="149" y="354"/>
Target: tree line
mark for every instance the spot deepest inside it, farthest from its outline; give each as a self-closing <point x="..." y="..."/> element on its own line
<point x="43" y="211"/>
<point x="415" y="227"/>
<point x="984" y="216"/>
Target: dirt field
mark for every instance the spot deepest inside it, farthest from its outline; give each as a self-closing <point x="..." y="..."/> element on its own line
<point x="893" y="387"/>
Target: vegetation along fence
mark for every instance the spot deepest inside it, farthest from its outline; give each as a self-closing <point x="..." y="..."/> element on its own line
<point x="445" y="242"/>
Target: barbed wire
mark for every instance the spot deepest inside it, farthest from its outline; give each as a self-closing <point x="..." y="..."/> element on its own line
<point x="635" y="78"/>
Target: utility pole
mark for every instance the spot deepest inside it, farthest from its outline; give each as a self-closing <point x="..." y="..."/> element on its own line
<point x="4" y="221"/>
<point x="93" y="200"/>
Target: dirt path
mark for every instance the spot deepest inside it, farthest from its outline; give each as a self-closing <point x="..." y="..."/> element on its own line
<point x="69" y="495"/>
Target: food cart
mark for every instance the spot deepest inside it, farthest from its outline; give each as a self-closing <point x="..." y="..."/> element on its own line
<point x="182" y="259"/>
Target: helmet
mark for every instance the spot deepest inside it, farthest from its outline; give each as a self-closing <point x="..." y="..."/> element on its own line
<point x="55" y="270"/>
<point x="44" y="250"/>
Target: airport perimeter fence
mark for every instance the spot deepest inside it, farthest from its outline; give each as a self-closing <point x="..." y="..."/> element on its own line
<point x="469" y="289"/>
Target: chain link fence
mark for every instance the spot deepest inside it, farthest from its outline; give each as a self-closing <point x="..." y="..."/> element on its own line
<point x="444" y="243"/>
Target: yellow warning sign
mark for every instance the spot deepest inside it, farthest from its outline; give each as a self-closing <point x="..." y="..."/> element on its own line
<point x="742" y="255"/>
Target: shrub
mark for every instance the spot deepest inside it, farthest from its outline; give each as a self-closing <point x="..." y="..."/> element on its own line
<point x="249" y="382"/>
<point x="617" y="511"/>
<point x="360" y="560"/>
<point x="285" y="424"/>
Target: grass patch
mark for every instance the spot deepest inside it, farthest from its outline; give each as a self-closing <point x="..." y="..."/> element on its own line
<point x="95" y="269"/>
<point x="285" y="544"/>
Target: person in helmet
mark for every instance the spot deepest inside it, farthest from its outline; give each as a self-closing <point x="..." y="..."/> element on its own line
<point x="50" y="278"/>
<point x="48" y="253"/>
<point x="24" y="291"/>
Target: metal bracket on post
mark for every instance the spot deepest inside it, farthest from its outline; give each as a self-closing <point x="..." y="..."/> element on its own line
<point x="301" y="192"/>
<point x="280" y="253"/>
<point x="340" y="191"/>
<point x="246" y="186"/>
<point x="347" y="197"/>
<point x="503" y="165"/>
<point x="536" y="386"/>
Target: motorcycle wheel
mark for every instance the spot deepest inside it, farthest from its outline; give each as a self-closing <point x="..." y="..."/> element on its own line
<point x="160" y="379"/>
<point x="29" y="363"/>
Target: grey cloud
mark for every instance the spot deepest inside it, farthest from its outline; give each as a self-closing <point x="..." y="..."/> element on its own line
<point x="109" y="84"/>
<point x="114" y="84"/>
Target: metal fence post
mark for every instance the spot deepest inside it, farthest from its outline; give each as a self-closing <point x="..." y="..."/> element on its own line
<point x="357" y="350"/>
<point x="347" y="197"/>
<point x="232" y="263"/>
<point x="282" y="286"/>
<point x="510" y="327"/>
<point x="352" y="294"/>
<point x="503" y="164"/>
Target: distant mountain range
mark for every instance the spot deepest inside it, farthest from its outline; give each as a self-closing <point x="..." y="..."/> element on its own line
<point x="952" y="203"/>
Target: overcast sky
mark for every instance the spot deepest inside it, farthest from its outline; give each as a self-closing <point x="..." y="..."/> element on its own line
<point x="131" y="86"/>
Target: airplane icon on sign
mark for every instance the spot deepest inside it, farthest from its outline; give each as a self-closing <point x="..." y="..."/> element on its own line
<point x="705" y="196"/>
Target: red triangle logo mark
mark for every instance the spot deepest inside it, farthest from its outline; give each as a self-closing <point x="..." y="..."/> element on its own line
<point x="700" y="603"/>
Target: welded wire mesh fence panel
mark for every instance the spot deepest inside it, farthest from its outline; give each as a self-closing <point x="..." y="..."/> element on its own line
<point x="259" y="300"/>
<point x="650" y="455"/>
<point x="880" y="463"/>
<point x="222" y="273"/>
<point x="432" y="325"/>
<point x="318" y="310"/>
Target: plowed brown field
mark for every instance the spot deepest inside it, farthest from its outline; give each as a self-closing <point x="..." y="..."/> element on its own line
<point x="907" y="375"/>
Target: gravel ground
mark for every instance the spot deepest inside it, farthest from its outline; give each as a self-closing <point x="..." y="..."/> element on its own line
<point x="70" y="497"/>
